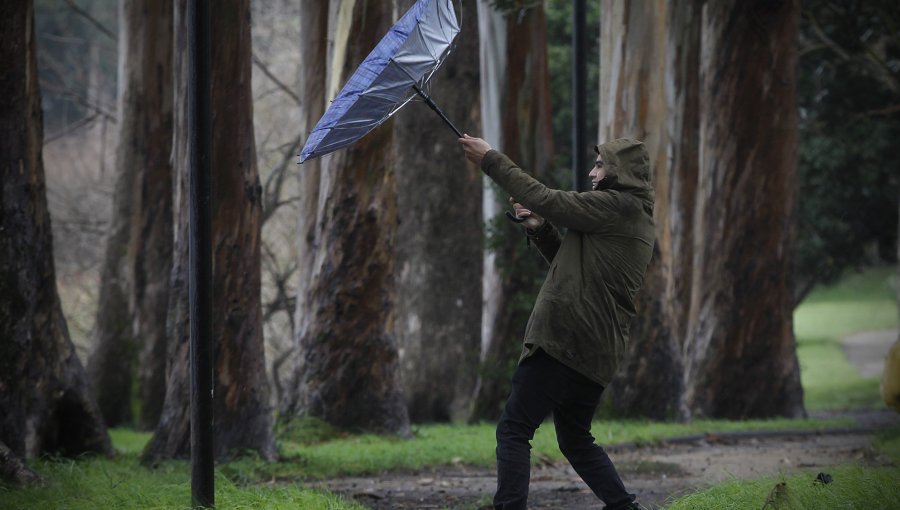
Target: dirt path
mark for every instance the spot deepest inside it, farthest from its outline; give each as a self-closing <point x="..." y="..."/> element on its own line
<point x="866" y="351"/>
<point x="655" y="474"/>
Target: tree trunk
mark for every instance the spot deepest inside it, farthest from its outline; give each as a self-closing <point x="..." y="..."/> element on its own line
<point x="243" y="419"/>
<point x="712" y="321"/>
<point x="439" y="242"/>
<point x="527" y="139"/>
<point x="45" y="399"/>
<point x="138" y="252"/>
<point x="149" y="73"/>
<point x="646" y="49"/>
<point x="347" y="369"/>
<point x="741" y="357"/>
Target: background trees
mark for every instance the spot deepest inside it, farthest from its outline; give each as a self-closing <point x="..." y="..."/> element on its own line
<point x="374" y="241"/>
<point x="45" y="397"/>
<point x="719" y="320"/>
<point x="849" y="100"/>
<point x="439" y="246"/>
<point x="241" y="404"/>
<point x="517" y="121"/>
<point x="134" y="287"/>
<point x="347" y="368"/>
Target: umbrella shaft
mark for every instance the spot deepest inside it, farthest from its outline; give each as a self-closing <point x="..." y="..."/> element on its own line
<point x="437" y="110"/>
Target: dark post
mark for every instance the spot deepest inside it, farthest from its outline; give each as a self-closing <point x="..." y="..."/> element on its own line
<point x="199" y="120"/>
<point x="579" y="97"/>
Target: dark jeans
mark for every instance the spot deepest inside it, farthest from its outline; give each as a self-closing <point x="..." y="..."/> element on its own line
<point x="542" y="385"/>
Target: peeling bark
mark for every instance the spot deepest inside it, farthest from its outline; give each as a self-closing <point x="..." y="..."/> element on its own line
<point x="740" y="329"/>
<point x="527" y="138"/>
<point x="347" y="369"/>
<point x="439" y="242"/>
<point x="714" y="315"/>
<point x="637" y="44"/>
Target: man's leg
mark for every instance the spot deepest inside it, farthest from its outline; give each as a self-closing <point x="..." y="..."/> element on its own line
<point x="573" y="432"/>
<point x="535" y="392"/>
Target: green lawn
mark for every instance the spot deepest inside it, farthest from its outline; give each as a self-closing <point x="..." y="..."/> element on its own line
<point x="861" y="302"/>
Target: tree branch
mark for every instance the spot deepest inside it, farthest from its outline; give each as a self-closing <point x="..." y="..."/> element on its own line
<point x="275" y="181"/>
<point x="86" y="15"/>
<point x="262" y="66"/>
<point x="70" y="128"/>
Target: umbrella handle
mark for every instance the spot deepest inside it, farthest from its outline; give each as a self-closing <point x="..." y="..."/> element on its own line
<point x="437" y="110"/>
<point x="513" y="218"/>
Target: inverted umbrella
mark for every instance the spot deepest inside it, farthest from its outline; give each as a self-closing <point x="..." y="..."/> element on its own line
<point x="396" y="71"/>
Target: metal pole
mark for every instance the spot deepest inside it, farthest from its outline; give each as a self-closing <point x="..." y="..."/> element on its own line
<point x="579" y="96"/>
<point x="199" y="121"/>
<point x="437" y="110"/>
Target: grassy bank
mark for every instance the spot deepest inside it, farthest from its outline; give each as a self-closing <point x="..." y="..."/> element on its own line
<point x="852" y="488"/>
<point x="860" y="302"/>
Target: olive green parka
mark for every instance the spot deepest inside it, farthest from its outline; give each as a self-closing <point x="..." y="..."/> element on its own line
<point x="582" y="314"/>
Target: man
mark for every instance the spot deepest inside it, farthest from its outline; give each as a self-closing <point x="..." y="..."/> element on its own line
<point x="578" y="330"/>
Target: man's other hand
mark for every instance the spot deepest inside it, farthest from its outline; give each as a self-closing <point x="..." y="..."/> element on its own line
<point x="532" y="220"/>
<point x="475" y="148"/>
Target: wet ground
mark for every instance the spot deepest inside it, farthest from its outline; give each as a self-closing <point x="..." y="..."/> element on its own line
<point x="655" y="473"/>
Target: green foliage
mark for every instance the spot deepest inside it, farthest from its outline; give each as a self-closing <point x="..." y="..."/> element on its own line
<point x="559" y="62"/>
<point x="861" y="302"/>
<point x="849" y="92"/>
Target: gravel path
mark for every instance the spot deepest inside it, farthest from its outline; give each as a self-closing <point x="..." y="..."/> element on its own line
<point x="866" y="351"/>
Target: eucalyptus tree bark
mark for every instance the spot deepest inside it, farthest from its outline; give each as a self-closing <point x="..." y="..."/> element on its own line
<point x="713" y="335"/>
<point x="132" y="307"/>
<point x="347" y="369"/>
<point x="526" y="138"/>
<point x="46" y="405"/>
<point x="741" y="355"/>
<point x="647" y="49"/>
<point x="241" y="407"/>
<point x="439" y="242"/>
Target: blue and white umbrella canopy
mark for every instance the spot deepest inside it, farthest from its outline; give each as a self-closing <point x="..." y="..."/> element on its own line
<point x="393" y="73"/>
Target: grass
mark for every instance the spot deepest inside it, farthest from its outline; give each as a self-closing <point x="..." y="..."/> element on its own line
<point x="852" y="488"/>
<point x="863" y="301"/>
<point x="99" y="483"/>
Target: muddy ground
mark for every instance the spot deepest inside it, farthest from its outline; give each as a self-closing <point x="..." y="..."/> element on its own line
<point x="655" y="473"/>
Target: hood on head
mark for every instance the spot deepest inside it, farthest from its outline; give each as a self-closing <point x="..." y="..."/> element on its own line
<point x="627" y="165"/>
